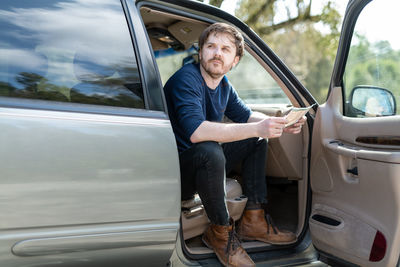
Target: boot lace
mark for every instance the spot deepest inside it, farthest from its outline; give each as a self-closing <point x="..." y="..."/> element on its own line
<point x="271" y="223"/>
<point x="233" y="239"/>
<point x="233" y="242"/>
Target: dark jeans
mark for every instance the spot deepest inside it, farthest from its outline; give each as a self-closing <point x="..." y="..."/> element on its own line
<point x="203" y="168"/>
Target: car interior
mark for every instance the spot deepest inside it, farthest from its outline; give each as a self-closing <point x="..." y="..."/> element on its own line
<point x="174" y="41"/>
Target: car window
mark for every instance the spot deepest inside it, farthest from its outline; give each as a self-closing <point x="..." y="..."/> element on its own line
<point x="372" y="74"/>
<point x="169" y="61"/>
<point x="254" y="84"/>
<point x="251" y="81"/>
<point x="68" y="51"/>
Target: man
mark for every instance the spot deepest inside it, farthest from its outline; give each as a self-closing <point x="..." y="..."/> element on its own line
<point x="198" y="95"/>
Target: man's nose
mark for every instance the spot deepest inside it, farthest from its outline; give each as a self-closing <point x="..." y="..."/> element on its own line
<point x="217" y="51"/>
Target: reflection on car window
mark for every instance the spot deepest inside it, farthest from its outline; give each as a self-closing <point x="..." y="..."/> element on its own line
<point x="70" y="51"/>
<point x="374" y="64"/>
<point x="254" y="84"/>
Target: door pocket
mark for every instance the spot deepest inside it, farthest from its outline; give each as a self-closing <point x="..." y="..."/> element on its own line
<point x="325" y="220"/>
<point x="334" y="228"/>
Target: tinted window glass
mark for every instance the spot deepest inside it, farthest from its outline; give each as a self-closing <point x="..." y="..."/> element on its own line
<point x="254" y="84"/>
<point x="170" y="60"/>
<point x="72" y="51"/>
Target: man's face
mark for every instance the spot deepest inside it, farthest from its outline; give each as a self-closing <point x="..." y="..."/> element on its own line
<point x="218" y="55"/>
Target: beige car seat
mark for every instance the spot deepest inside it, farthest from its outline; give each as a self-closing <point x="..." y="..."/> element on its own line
<point x="194" y="217"/>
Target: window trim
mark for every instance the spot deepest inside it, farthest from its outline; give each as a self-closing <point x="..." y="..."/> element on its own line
<point x="151" y="82"/>
<point x="39" y="104"/>
<point x="353" y="10"/>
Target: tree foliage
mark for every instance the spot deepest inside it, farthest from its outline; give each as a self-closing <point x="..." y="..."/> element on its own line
<point x="216" y="3"/>
<point x="305" y="39"/>
<point x="262" y="15"/>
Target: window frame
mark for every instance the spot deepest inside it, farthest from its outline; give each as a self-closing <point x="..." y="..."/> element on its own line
<point x="353" y="11"/>
<point x="149" y="74"/>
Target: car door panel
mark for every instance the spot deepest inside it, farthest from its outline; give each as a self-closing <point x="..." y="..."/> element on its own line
<point x="356" y="190"/>
<point x="284" y="152"/>
<point x="75" y="182"/>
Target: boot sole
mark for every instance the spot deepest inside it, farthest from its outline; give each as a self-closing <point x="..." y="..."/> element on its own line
<point x="210" y="247"/>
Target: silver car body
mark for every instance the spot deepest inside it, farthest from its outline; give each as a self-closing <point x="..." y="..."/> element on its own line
<point x="76" y="182"/>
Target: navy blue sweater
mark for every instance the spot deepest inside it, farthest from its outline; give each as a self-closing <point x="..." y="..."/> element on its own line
<point x="190" y="102"/>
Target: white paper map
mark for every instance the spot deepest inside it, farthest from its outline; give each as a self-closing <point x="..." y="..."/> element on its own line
<point x="296" y="114"/>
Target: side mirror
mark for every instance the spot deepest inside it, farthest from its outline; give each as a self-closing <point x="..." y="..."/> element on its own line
<point x="371" y="101"/>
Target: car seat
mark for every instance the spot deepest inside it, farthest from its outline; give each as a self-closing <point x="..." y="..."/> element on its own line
<point x="194" y="217"/>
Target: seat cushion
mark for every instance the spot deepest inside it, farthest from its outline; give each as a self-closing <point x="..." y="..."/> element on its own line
<point x="194" y="217"/>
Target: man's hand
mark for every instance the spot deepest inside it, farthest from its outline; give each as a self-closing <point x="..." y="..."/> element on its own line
<point x="271" y="127"/>
<point x="296" y="128"/>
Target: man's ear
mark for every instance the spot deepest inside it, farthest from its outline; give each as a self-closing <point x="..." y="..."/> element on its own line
<point x="235" y="61"/>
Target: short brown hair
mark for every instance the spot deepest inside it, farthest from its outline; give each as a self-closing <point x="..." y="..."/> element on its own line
<point x="220" y="27"/>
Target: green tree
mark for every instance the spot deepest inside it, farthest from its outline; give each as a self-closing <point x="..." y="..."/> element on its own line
<point x="30" y="80"/>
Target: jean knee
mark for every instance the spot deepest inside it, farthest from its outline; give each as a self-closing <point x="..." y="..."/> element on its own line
<point x="211" y="153"/>
<point x="263" y="144"/>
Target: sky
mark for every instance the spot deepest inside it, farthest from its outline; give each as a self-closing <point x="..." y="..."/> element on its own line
<point x="385" y="12"/>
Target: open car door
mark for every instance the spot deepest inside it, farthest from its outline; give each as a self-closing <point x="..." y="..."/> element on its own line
<point x="355" y="155"/>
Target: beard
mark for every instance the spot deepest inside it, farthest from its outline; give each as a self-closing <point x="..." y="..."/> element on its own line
<point x="215" y="71"/>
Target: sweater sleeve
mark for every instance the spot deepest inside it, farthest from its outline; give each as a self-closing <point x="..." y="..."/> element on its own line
<point x="187" y="97"/>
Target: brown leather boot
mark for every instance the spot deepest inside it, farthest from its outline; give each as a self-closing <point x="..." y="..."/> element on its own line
<point x="254" y="225"/>
<point x="223" y="240"/>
